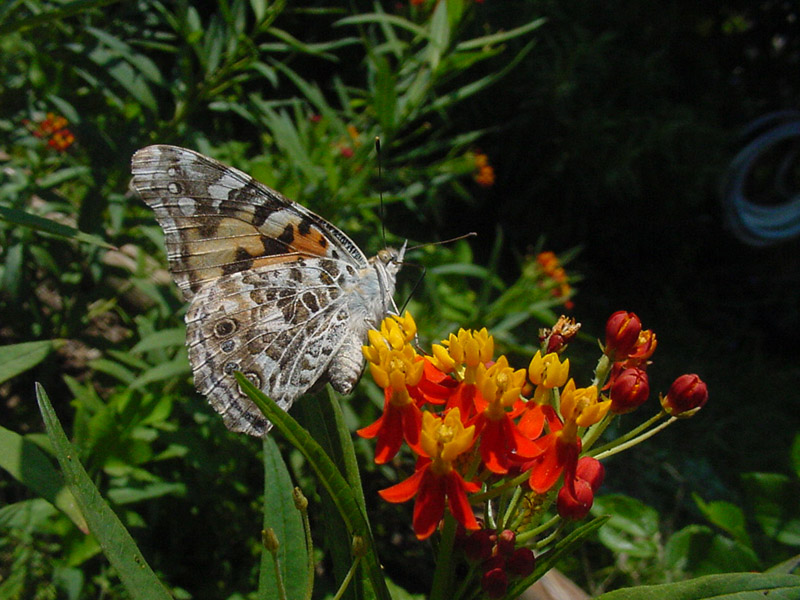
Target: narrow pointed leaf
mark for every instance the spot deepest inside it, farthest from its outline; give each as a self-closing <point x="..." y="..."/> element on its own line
<point x="18" y="358"/>
<point x="329" y="476"/>
<point x="283" y="517"/>
<point x="26" y="463"/>
<point x="24" y="219"/>
<point x="734" y="586"/>
<point x="136" y="575"/>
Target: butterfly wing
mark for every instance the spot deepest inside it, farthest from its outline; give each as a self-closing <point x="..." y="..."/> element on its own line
<point x="281" y="325"/>
<point x="275" y="291"/>
<point x="218" y="220"/>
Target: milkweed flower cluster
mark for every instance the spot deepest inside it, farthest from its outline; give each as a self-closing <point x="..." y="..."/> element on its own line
<point x="488" y="435"/>
<point x="54" y="129"/>
<point x="552" y="267"/>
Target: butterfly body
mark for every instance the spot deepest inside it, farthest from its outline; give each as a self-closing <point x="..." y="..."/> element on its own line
<point x="275" y="291"/>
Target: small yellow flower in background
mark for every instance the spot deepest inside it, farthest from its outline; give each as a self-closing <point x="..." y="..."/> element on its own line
<point x="461" y="354"/>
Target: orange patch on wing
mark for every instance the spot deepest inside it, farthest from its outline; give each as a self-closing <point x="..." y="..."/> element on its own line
<point x="275" y="259"/>
<point x="313" y="243"/>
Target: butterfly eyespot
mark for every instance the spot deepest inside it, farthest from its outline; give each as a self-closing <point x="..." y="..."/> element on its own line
<point x="225" y="327"/>
<point x="174" y="187"/>
<point x="228" y="345"/>
<point x="230" y="367"/>
<point x="254" y="378"/>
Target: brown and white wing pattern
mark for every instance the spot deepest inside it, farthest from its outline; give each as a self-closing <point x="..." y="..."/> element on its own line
<point x="276" y="292"/>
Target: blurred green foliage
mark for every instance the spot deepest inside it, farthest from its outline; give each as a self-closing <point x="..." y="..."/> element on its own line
<point x="294" y="95"/>
<point x="591" y="128"/>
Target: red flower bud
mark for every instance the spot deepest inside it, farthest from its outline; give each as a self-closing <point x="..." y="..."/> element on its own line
<point x="505" y="542"/>
<point x="643" y="350"/>
<point x="629" y="391"/>
<point x="622" y="333"/>
<point x="575" y="507"/>
<point x="478" y="546"/>
<point x="495" y="583"/>
<point x="591" y="471"/>
<point x="687" y="394"/>
<point x="521" y="563"/>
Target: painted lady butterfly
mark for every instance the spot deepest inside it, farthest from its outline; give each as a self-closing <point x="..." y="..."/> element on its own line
<point x="275" y="291"/>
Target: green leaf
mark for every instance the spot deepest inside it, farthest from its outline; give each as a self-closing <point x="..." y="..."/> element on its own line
<point x="24" y="219"/>
<point x="698" y="550"/>
<point x="56" y="178"/>
<point x="468" y="90"/>
<point x="632" y="527"/>
<point x="774" y="500"/>
<point x="166" y="338"/>
<point x="26" y="463"/>
<point x="283" y="517"/>
<point x="50" y="16"/>
<point x="136" y="575"/>
<point x="502" y="36"/>
<point x="795" y="455"/>
<point x="329" y="476"/>
<point x="18" y="358"/>
<point x="129" y="495"/>
<point x="547" y="560"/>
<point x="726" y="516"/>
<point x="368" y="18"/>
<point x="176" y="368"/>
<point x="325" y="423"/>
<point x="737" y="586"/>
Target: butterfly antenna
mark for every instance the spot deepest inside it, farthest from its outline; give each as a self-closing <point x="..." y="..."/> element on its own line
<point x="451" y="240"/>
<point x="380" y="188"/>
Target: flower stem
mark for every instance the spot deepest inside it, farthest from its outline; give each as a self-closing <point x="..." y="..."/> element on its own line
<point x="348" y="578"/>
<point x="532" y="533"/>
<point x="628" y="436"/>
<point x="496" y="491"/>
<point x="556" y="532"/>
<point x="637" y="440"/>
<point x="443" y="574"/>
<point x="596" y="430"/>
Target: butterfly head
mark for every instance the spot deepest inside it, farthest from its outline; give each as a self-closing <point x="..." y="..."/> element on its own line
<point x="391" y="258"/>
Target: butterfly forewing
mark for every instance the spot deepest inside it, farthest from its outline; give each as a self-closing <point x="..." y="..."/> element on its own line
<point x="218" y="220"/>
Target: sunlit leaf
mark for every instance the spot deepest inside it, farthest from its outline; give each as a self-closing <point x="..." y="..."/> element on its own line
<point x="18" y="358"/>
<point x="26" y="463"/>
<point x="138" y="578"/>
<point x="25" y="219"/>
<point x="738" y="586"/>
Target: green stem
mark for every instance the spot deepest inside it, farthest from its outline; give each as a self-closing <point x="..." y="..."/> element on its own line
<point x="348" y="578"/>
<point x="628" y="436"/>
<point x="634" y="441"/>
<point x="601" y="371"/>
<point x="496" y="491"/>
<point x="531" y="534"/>
<point x="546" y="541"/>
<point x="466" y="583"/>
<point x="444" y="570"/>
<point x="596" y="430"/>
<point x="512" y="507"/>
